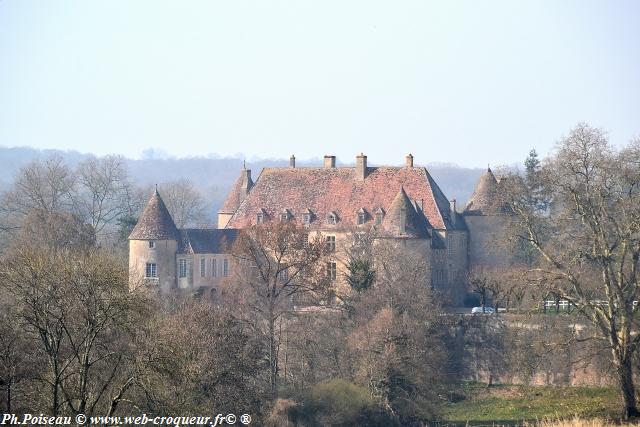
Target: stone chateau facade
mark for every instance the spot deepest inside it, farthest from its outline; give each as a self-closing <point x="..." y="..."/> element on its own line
<point x="403" y="204"/>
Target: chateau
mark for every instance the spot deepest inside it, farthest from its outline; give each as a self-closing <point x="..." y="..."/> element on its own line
<point x="403" y="204"/>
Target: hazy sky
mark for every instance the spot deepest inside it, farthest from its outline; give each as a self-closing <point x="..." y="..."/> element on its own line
<point x="469" y="82"/>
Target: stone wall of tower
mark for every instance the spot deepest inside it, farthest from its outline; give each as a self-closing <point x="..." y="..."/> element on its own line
<point x="163" y="254"/>
<point x="456" y="257"/>
<point x="488" y="246"/>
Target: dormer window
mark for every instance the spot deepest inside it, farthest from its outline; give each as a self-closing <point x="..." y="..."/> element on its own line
<point x="332" y="218"/>
<point x="261" y="216"/>
<point x="361" y="216"/>
<point x="306" y="217"/>
<point x="379" y="214"/>
<point x="285" y="215"/>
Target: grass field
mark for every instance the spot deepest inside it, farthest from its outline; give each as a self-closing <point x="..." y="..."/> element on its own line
<point x="478" y="404"/>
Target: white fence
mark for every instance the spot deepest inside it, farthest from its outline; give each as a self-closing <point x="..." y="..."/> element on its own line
<point x="566" y="305"/>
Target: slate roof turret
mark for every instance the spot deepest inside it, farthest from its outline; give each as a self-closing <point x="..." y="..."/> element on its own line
<point x="484" y="198"/>
<point x="155" y="223"/>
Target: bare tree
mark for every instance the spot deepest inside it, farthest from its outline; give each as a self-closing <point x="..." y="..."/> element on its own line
<point x="278" y="263"/>
<point x="46" y="186"/>
<point x="196" y="356"/>
<point x="78" y="307"/>
<point x="103" y="191"/>
<point x="396" y="340"/>
<point x="185" y="203"/>
<point x="583" y="219"/>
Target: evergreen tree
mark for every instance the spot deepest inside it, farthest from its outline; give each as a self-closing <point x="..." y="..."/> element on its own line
<point x="361" y="274"/>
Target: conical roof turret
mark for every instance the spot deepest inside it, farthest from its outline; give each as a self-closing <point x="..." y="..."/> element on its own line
<point x="484" y="198"/>
<point x="155" y="223"/>
<point x="402" y="219"/>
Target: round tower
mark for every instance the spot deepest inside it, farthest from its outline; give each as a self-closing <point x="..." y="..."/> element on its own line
<point x="485" y="219"/>
<point x="153" y="245"/>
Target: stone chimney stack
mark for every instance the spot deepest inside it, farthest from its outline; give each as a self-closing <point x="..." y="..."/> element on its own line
<point x="453" y="211"/>
<point x="292" y="161"/>
<point x="361" y="167"/>
<point x="409" y="160"/>
<point x="329" y="161"/>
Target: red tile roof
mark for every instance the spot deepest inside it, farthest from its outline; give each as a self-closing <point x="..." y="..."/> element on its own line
<point x="325" y="190"/>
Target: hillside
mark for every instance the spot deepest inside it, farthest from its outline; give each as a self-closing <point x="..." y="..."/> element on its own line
<point x="214" y="175"/>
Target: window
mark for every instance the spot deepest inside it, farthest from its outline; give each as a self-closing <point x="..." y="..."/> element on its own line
<point x="362" y="217"/>
<point x="306" y="218"/>
<point x="203" y="267"/>
<point x="182" y="268"/>
<point x="330" y="243"/>
<point x="331" y="270"/>
<point x="225" y="267"/>
<point x="332" y="218"/>
<point x="151" y="271"/>
<point x="379" y="216"/>
<point x="284" y="275"/>
<point x="214" y="267"/>
<point x="285" y="216"/>
<point x="451" y="250"/>
<point x="259" y="218"/>
<point x="152" y="244"/>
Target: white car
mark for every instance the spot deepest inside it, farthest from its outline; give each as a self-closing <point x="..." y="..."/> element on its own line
<point x="478" y="310"/>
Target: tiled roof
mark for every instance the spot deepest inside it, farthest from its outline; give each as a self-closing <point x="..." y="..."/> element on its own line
<point x="325" y="190"/>
<point x="206" y="241"/>
<point x="403" y="220"/>
<point x="484" y="197"/>
<point x="238" y="192"/>
<point x="155" y="223"/>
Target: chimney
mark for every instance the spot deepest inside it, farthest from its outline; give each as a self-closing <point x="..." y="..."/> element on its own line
<point x="329" y="161"/>
<point x="409" y="160"/>
<point x="452" y="204"/>
<point x="292" y="161"/>
<point x="361" y="167"/>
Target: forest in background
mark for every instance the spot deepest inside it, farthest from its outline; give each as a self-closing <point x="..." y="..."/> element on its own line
<point x="213" y="176"/>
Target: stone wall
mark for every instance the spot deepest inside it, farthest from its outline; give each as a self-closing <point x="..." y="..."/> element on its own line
<point x="522" y="349"/>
